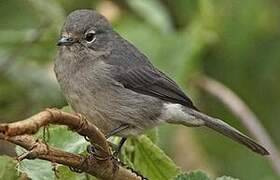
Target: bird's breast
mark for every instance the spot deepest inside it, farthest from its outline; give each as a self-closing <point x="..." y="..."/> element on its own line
<point x="89" y="90"/>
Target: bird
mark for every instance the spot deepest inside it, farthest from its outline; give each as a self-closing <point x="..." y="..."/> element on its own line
<point x="116" y="87"/>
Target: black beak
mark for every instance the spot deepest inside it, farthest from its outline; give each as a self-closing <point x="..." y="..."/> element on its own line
<point x="65" y="41"/>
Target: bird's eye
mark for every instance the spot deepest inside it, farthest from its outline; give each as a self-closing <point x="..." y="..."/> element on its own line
<point x="90" y="36"/>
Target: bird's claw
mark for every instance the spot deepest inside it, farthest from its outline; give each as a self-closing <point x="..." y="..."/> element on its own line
<point x="76" y="170"/>
<point x="97" y="154"/>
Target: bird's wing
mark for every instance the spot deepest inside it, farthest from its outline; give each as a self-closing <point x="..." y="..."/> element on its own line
<point x="150" y="81"/>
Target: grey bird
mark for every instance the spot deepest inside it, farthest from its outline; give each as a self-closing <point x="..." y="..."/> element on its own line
<point x="115" y="86"/>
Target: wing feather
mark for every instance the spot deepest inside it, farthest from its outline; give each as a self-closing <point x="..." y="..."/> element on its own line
<point x="150" y="81"/>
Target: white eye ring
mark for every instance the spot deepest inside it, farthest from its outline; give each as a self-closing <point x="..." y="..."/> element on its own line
<point x="90" y="36"/>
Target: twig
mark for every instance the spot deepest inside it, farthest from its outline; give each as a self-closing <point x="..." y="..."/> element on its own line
<point x="105" y="168"/>
<point x="242" y="112"/>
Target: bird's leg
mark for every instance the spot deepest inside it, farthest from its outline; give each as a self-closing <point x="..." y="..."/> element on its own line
<point x="119" y="146"/>
<point x="92" y="150"/>
<point x="116" y="130"/>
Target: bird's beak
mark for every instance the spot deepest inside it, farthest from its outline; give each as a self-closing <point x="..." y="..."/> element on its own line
<point x="65" y="41"/>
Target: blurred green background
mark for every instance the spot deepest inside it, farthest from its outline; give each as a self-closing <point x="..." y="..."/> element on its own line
<point x="236" y="42"/>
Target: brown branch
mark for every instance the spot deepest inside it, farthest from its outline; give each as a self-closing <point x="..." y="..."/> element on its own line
<point x="242" y="112"/>
<point x="103" y="166"/>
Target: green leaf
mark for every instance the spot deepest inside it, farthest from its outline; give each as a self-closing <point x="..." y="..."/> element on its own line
<point x="8" y="168"/>
<point x="65" y="173"/>
<point x="226" y="178"/>
<point x="151" y="161"/>
<point x="194" y="175"/>
<point x="63" y="138"/>
<point x="153" y="135"/>
<point x="37" y="169"/>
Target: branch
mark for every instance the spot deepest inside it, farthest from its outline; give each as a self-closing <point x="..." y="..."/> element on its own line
<point x="103" y="166"/>
<point x="242" y="112"/>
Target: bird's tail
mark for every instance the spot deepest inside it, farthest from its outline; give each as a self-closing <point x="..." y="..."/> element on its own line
<point x="225" y="129"/>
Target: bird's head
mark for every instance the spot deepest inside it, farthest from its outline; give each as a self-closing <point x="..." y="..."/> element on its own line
<point x="85" y="28"/>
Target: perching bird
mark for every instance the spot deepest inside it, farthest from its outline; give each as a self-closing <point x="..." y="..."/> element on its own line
<point x="115" y="86"/>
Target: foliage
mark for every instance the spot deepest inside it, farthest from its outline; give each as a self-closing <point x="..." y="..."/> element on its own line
<point x="196" y="175"/>
<point x="149" y="159"/>
<point x="199" y="175"/>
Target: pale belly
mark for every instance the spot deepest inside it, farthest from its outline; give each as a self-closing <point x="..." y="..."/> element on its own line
<point x="112" y="108"/>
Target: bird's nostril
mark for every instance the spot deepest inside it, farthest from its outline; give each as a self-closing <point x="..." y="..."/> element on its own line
<point x="70" y="39"/>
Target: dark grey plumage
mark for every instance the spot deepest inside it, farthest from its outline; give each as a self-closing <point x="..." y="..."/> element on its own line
<point x="105" y="78"/>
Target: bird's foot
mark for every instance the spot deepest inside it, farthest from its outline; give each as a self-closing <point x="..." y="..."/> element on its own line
<point x="117" y="147"/>
<point x="76" y="170"/>
<point x="97" y="153"/>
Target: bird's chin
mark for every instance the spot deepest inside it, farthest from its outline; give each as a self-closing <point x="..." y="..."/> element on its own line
<point x="70" y="48"/>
